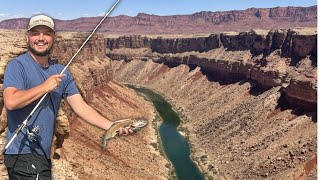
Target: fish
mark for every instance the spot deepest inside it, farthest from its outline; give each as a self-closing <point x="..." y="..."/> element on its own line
<point x="134" y="124"/>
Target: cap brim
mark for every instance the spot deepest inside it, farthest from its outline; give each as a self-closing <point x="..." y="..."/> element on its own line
<point x="41" y="24"/>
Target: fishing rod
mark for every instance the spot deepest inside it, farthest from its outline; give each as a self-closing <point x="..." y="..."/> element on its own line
<point x="24" y="123"/>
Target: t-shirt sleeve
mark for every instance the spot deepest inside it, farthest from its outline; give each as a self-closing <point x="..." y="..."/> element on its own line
<point x="70" y="87"/>
<point x="13" y="76"/>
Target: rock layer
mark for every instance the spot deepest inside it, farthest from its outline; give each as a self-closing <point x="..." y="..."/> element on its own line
<point x="273" y="58"/>
<point x="200" y="22"/>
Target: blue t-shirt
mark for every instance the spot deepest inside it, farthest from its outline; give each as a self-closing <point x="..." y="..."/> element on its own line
<point x="24" y="73"/>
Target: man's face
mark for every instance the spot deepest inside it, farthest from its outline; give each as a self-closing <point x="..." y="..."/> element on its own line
<point x="40" y="40"/>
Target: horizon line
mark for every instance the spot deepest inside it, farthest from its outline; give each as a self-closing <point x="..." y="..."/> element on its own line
<point x="160" y="14"/>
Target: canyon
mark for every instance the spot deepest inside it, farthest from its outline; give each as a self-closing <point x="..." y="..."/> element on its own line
<point x="247" y="102"/>
<point x="247" y="99"/>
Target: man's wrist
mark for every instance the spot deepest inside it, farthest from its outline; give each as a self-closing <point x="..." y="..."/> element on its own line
<point x="108" y="124"/>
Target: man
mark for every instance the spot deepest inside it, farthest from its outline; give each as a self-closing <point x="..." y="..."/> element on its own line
<point x="27" y="78"/>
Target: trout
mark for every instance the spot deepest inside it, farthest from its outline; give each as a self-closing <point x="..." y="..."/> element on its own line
<point x="134" y="124"/>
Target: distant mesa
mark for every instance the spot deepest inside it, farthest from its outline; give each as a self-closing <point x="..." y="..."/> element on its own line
<point x="200" y="22"/>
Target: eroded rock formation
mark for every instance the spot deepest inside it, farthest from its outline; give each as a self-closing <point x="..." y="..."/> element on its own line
<point x="247" y="102"/>
<point x="248" y="99"/>
<point x="200" y="22"/>
<point x="272" y="58"/>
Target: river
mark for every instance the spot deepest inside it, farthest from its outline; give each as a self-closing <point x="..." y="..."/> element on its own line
<point x="175" y="146"/>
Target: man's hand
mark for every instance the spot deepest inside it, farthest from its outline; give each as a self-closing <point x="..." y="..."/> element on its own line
<point x="125" y="131"/>
<point x="16" y="98"/>
<point x="53" y="82"/>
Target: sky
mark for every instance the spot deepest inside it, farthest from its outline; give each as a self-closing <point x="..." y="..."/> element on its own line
<point x="72" y="9"/>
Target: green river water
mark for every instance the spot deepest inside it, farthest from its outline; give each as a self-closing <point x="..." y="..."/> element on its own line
<point x="175" y="146"/>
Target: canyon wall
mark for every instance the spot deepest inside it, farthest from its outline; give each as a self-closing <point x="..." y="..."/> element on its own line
<point x="247" y="100"/>
<point x="286" y="58"/>
<point x="199" y="22"/>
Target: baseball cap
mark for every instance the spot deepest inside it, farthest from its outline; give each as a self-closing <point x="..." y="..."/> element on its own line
<point x="41" y="20"/>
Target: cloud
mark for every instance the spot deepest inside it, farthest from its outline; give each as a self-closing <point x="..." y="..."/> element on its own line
<point x="4" y="14"/>
<point x="102" y="14"/>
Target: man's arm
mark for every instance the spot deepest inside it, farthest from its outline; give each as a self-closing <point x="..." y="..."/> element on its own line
<point x="15" y="98"/>
<point x="82" y="109"/>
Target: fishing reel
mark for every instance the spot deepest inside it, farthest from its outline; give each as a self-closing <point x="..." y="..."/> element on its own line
<point x="32" y="135"/>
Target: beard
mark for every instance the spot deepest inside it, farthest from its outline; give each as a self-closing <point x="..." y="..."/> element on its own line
<point x="38" y="53"/>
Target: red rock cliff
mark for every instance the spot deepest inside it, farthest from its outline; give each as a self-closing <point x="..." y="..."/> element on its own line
<point x="272" y="58"/>
<point x="201" y="22"/>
